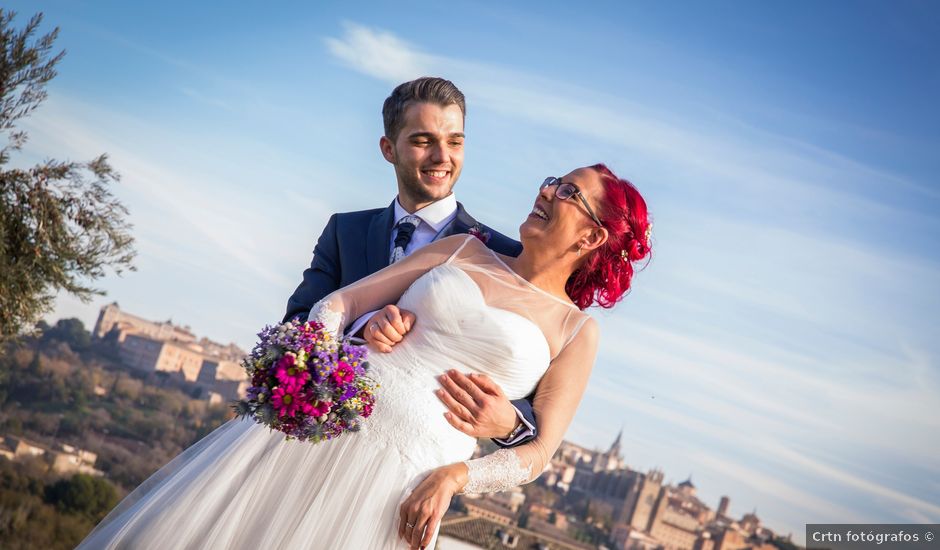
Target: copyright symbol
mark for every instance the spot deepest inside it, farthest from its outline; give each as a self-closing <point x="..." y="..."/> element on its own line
<point x="928" y="536"/>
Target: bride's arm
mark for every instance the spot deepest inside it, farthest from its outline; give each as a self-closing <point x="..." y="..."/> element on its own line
<point x="384" y="286"/>
<point x="556" y="400"/>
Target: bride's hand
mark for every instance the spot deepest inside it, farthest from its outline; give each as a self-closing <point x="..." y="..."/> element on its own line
<point x="422" y="511"/>
<point x="387" y="327"/>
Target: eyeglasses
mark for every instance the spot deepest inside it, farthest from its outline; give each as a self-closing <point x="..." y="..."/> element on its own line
<point x="566" y="190"/>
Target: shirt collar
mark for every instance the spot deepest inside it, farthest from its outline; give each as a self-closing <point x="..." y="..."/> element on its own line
<point x="437" y="214"/>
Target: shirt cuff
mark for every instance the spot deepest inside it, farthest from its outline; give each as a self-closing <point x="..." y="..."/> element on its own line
<point x="360" y="322"/>
<point x="525" y="430"/>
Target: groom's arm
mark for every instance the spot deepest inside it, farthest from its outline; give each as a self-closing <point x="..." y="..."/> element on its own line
<point x="321" y="278"/>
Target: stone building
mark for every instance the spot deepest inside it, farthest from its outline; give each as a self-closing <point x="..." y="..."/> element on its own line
<point x="61" y="459"/>
<point x="112" y="318"/>
<point x="648" y="492"/>
<point x="495" y="512"/>
<point x="150" y="355"/>
<point x="481" y="532"/>
<point x="14" y="448"/>
<point x="611" y="460"/>
<point x="149" y="346"/>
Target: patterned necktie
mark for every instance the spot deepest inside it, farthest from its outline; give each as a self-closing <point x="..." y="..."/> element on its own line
<point x="406" y="228"/>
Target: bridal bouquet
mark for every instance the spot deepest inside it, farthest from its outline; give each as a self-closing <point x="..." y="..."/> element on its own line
<point x="306" y="383"/>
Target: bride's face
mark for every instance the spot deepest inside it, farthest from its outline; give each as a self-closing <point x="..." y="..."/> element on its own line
<point x="566" y="224"/>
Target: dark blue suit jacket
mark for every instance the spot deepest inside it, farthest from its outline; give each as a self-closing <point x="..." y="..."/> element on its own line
<point x="355" y="244"/>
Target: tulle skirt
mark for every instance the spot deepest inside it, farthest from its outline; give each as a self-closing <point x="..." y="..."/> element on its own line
<point x="244" y="486"/>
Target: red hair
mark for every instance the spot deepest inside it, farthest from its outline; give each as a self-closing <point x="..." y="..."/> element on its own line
<point x="605" y="276"/>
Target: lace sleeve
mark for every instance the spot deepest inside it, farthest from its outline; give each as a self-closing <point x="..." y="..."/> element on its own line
<point x="382" y="287"/>
<point x="331" y="320"/>
<point x="556" y="400"/>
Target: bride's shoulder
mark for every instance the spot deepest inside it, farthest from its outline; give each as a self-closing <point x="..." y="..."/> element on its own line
<point x="444" y="249"/>
<point x="457" y="239"/>
<point x="450" y="243"/>
<point x="453" y="243"/>
<point x="462" y="241"/>
<point x="586" y="332"/>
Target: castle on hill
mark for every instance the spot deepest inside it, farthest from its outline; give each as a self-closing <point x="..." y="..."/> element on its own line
<point x="155" y="346"/>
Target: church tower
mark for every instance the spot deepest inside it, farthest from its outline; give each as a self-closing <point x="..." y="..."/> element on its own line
<point x="611" y="459"/>
<point x="615" y="447"/>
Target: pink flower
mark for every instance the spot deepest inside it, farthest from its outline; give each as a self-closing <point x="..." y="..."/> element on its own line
<point x="343" y="373"/>
<point x="286" y="401"/>
<point x="318" y="408"/>
<point x="288" y="374"/>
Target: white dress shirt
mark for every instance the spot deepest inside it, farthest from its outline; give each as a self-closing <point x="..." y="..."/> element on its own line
<point x="434" y="218"/>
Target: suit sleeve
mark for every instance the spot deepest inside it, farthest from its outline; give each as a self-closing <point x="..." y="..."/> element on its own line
<point x="321" y="278"/>
<point x="528" y="428"/>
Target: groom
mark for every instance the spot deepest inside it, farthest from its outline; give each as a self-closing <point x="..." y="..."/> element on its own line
<point x="424" y="137"/>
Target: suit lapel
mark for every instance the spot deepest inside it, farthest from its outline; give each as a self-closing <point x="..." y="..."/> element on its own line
<point x="461" y="224"/>
<point x="380" y="232"/>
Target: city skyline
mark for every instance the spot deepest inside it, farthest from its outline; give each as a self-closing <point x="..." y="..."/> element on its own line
<point x="780" y="343"/>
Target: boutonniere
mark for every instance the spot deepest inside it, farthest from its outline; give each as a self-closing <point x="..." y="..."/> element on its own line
<point x="477" y="231"/>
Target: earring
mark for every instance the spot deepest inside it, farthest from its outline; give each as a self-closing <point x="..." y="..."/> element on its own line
<point x="580" y="246"/>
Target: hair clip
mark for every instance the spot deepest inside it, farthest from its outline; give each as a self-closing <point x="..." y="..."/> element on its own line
<point x="624" y="255"/>
<point x="649" y="231"/>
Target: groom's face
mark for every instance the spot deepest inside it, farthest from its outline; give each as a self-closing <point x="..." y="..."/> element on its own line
<point x="427" y="153"/>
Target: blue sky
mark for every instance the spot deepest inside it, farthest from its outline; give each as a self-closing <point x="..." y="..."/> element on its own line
<point x="781" y="346"/>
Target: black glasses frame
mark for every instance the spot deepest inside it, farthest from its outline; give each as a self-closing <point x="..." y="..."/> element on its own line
<point x="559" y="193"/>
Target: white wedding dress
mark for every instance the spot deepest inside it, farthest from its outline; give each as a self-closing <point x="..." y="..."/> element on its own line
<point x="244" y="486"/>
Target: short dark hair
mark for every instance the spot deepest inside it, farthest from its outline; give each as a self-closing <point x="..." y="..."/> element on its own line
<point x="426" y="89"/>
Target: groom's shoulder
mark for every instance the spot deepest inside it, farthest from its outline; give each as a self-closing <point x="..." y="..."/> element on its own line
<point x="350" y="226"/>
<point x="358" y="215"/>
<point x="356" y="220"/>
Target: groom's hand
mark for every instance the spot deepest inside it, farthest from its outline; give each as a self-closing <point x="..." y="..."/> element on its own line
<point x="387" y="327"/>
<point x="477" y="405"/>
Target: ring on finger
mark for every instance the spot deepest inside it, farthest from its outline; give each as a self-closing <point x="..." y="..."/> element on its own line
<point x="410" y="525"/>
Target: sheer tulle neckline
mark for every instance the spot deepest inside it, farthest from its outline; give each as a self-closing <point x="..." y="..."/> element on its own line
<point x="478" y="293"/>
<point x="529" y="283"/>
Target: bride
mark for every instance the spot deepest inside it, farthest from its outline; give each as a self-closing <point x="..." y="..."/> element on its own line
<point x="517" y="320"/>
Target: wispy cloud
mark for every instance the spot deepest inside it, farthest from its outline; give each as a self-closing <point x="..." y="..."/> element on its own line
<point x="826" y="471"/>
<point x="218" y="237"/>
<point x="798" y="467"/>
<point x="802" y="503"/>
<point x="227" y="89"/>
<point x="208" y="100"/>
<point x="379" y="54"/>
<point x="188" y="207"/>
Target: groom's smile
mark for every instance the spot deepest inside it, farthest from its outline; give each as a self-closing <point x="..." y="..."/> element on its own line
<point x="437" y="174"/>
<point x="437" y="177"/>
